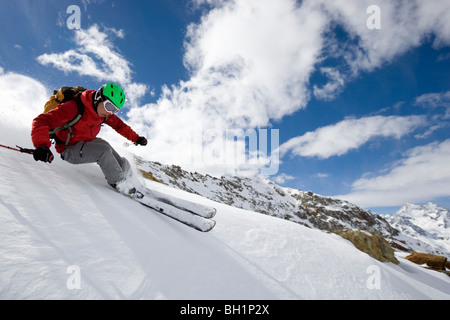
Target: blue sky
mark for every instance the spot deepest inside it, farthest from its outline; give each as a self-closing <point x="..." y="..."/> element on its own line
<point x="361" y="113"/>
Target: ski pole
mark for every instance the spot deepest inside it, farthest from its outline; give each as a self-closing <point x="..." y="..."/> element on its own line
<point x="28" y="151"/>
<point x="20" y="149"/>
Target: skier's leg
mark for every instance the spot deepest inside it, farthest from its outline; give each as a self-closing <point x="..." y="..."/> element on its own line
<point x="114" y="167"/>
<point x="123" y="162"/>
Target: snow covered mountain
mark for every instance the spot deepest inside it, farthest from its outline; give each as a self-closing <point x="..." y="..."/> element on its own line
<point x="428" y="223"/>
<point x="266" y="197"/>
<point x="66" y="235"/>
<point x="312" y="210"/>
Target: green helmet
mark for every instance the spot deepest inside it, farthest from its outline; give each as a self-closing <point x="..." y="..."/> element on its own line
<point x="114" y="93"/>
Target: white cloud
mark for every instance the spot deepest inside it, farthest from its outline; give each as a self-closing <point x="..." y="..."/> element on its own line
<point x="443" y="57"/>
<point x="431" y="130"/>
<point x="423" y="175"/>
<point x="350" y="134"/>
<point x="23" y="99"/>
<point x="97" y="57"/>
<point x="435" y="100"/>
<point x="19" y="107"/>
<point x="405" y="24"/>
<point x="282" y="178"/>
<point x="254" y="58"/>
<point x="330" y="90"/>
<point x="250" y="63"/>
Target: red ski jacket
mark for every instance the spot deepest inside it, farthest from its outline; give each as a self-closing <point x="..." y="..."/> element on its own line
<point x="84" y="130"/>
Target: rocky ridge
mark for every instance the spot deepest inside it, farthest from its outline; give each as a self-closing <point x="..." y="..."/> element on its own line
<point x="306" y="208"/>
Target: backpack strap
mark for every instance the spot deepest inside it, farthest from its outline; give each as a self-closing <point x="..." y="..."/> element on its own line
<point x="68" y="125"/>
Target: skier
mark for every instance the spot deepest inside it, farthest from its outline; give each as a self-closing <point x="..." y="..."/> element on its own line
<point x="79" y="143"/>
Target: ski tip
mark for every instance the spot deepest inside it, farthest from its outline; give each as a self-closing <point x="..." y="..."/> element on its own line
<point x="210" y="213"/>
<point x="208" y="227"/>
<point x="213" y="214"/>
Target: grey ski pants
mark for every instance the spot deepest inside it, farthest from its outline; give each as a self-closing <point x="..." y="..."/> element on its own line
<point x="114" y="167"/>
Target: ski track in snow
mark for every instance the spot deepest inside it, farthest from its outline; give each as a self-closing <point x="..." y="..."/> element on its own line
<point x="53" y="216"/>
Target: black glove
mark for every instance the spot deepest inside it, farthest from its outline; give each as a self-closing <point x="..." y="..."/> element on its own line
<point x="142" y="141"/>
<point x="43" y="154"/>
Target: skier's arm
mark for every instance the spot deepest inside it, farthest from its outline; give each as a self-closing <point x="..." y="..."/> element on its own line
<point x="53" y="119"/>
<point x="122" y="128"/>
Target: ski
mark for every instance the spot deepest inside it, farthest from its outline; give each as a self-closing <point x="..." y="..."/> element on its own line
<point x="188" y="218"/>
<point x="185" y="205"/>
<point x="194" y="215"/>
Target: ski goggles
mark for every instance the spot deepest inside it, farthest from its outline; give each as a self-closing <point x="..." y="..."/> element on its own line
<point x="110" y="107"/>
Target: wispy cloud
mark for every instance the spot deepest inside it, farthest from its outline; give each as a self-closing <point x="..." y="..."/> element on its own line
<point x="435" y="100"/>
<point x="282" y="178"/>
<point x="422" y="175"/>
<point x="96" y="56"/>
<point x="349" y="134"/>
<point x="405" y="25"/>
<point x="333" y="87"/>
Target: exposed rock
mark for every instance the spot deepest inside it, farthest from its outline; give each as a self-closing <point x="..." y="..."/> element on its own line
<point x="371" y="243"/>
<point x="431" y="260"/>
<point x="306" y="208"/>
<point x="330" y="214"/>
<point x="149" y="176"/>
<point x="398" y="246"/>
<point x="264" y="196"/>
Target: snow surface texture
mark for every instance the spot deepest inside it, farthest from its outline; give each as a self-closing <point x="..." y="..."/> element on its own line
<point x="66" y="235"/>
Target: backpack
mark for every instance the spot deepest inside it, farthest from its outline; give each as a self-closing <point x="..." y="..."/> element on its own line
<point x="62" y="95"/>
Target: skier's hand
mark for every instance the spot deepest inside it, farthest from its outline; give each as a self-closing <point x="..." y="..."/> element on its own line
<point x="43" y="154"/>
<point x="141" y="141"/>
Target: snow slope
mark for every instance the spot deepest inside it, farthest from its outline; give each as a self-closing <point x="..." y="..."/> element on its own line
<point x="60" y="222"/>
